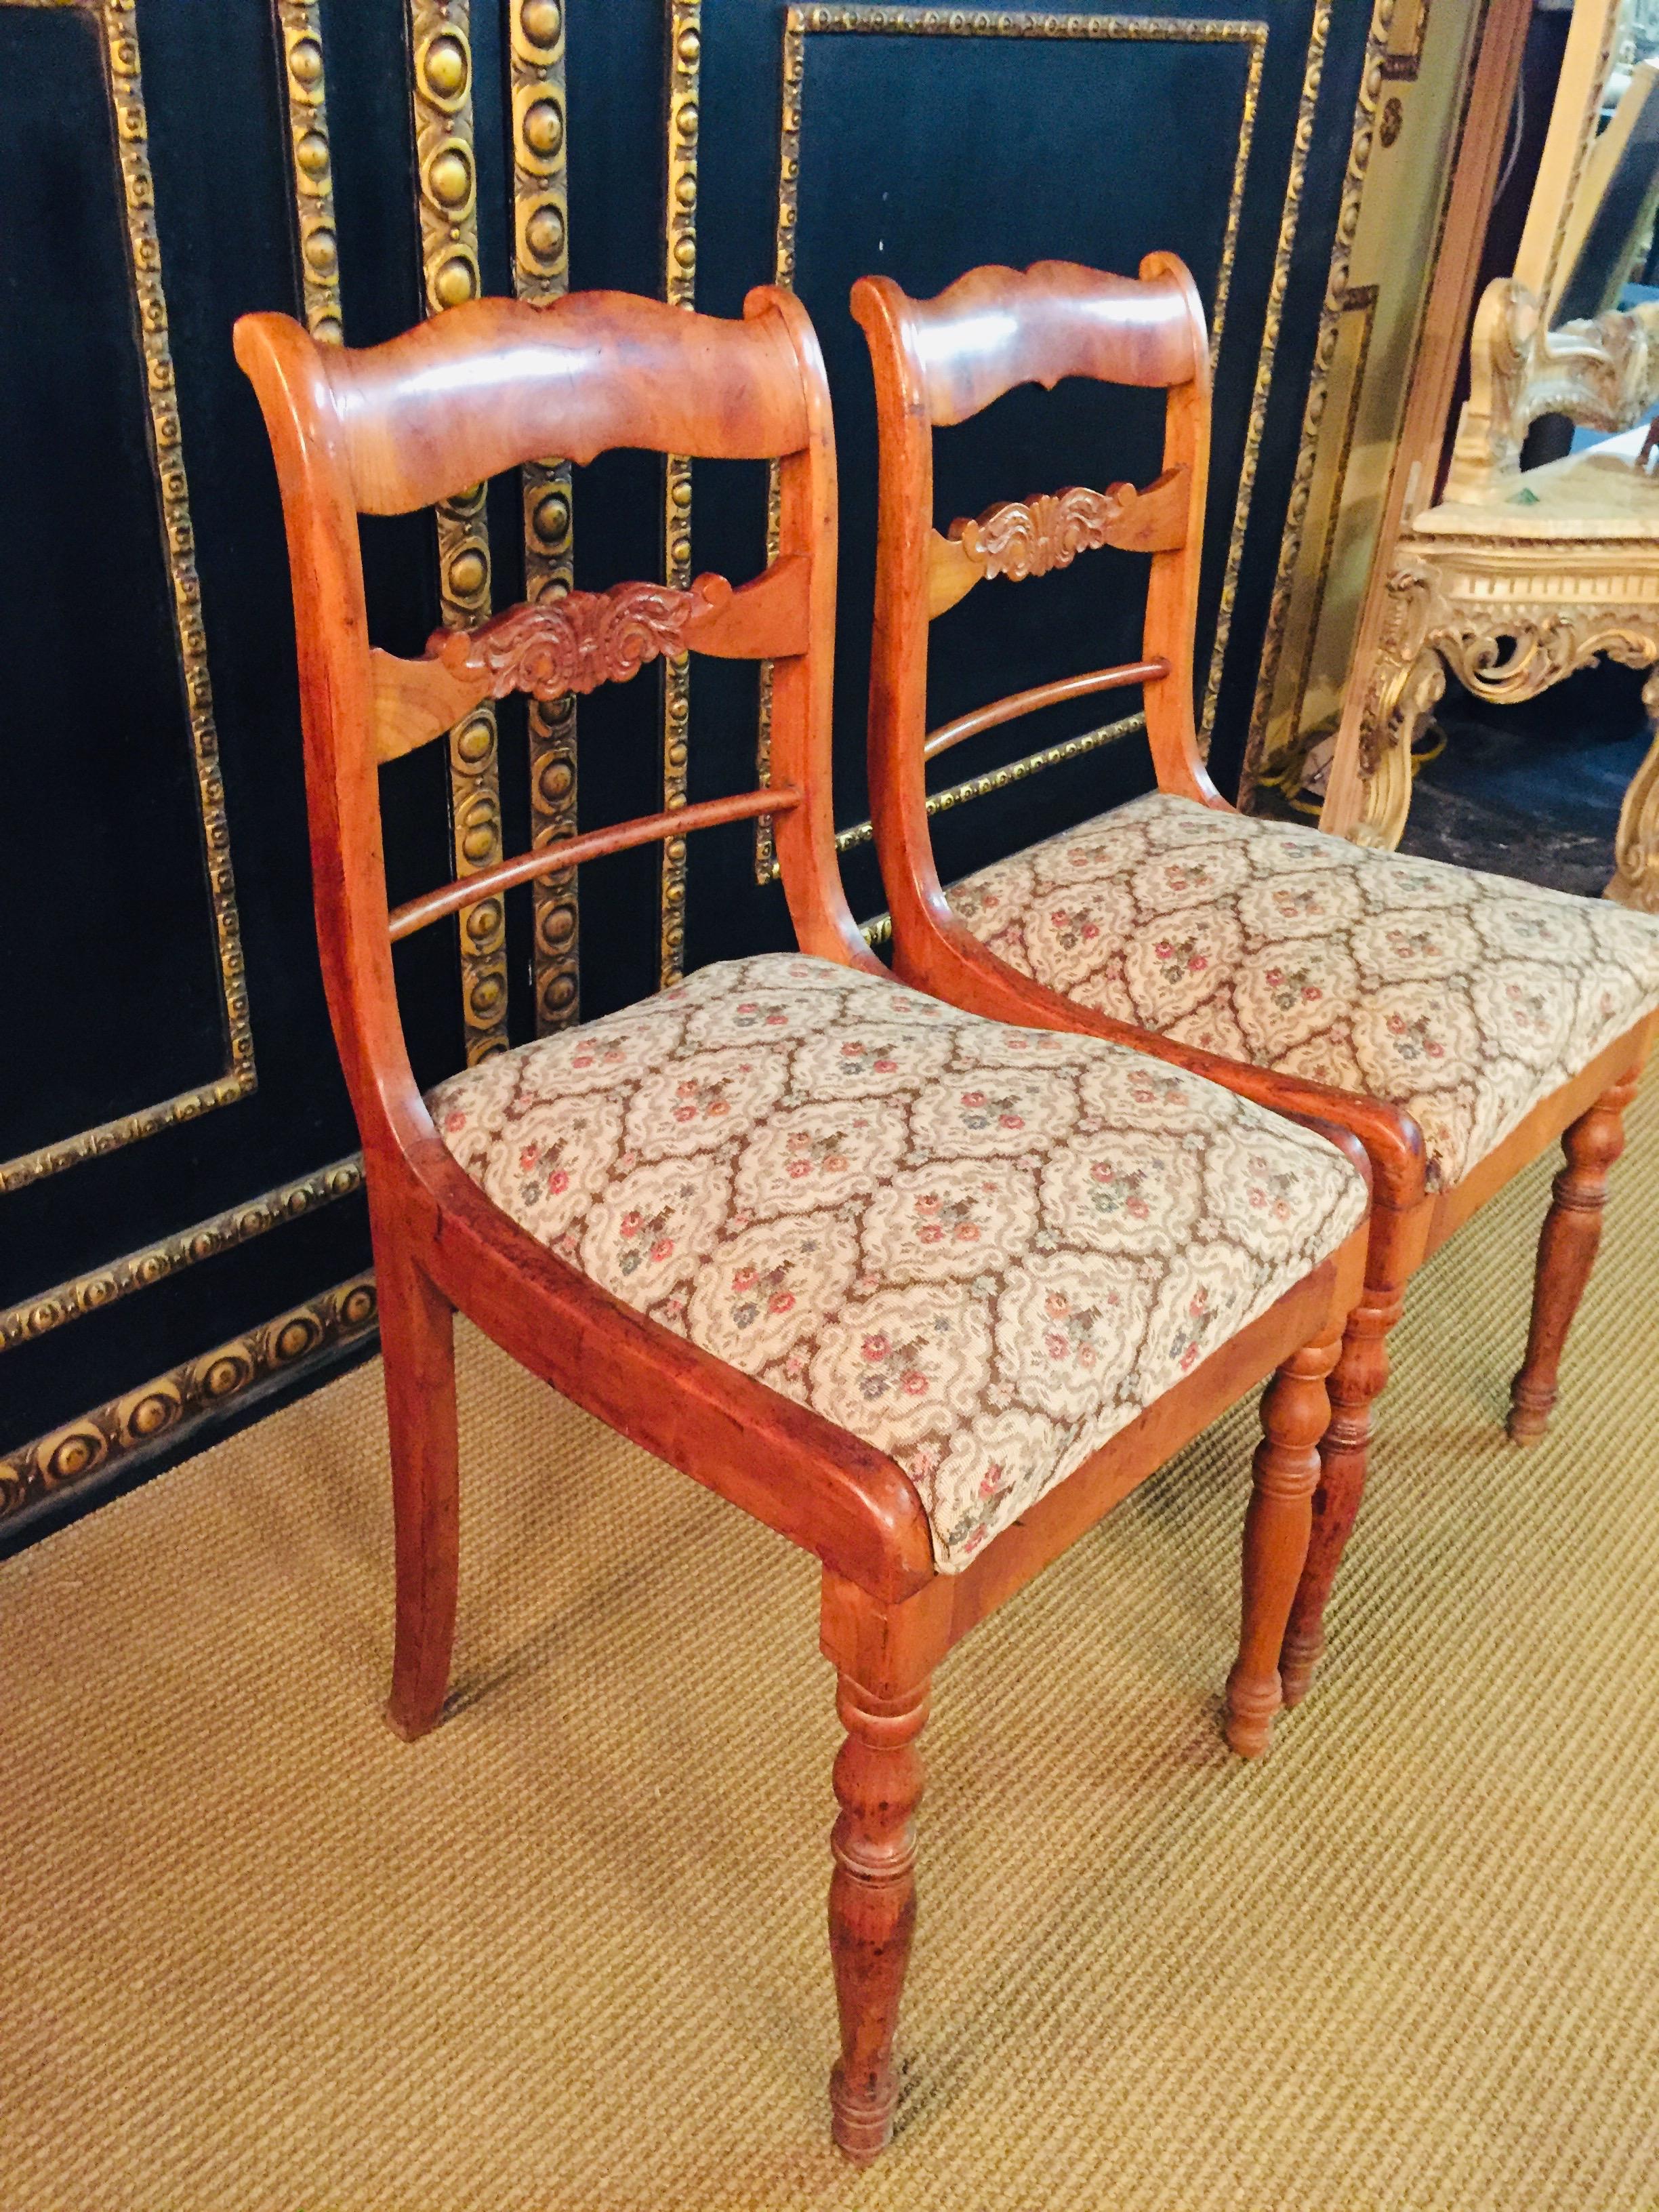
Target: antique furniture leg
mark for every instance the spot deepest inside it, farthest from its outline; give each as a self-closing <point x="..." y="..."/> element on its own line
<point x="1566" y="1252"/>
<point x="417" y="1342"/>
<point x="1294" y="1410"/>
<point x="1369" y="793"/>
<point x="1355" y="1384"/>
<point x="1635" y="884"/>
<point x="886" y="1657"/>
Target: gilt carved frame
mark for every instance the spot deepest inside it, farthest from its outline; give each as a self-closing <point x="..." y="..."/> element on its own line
<point x="118" y="21"/>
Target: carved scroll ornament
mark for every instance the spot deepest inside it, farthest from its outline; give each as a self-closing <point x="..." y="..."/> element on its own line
<point x="1019" y="539"/>
<point x="1502" y="650"/>
<point x="1603" y="373"/>
<point x="573" y="641"/>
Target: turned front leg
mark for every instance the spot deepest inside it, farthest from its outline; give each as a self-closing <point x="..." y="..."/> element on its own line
<point x="1295" y="1409"/>
<point x="872" y="1904"/>
<point x="1566" y="1252"/>
<point x="1356" y="1382"/>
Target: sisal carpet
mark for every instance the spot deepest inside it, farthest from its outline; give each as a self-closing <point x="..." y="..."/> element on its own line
<point x="569" y="1952"/>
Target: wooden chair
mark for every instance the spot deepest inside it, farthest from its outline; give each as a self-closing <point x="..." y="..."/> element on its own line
<point x="828" y="1246"/>
<point x="1403" y="1000"/>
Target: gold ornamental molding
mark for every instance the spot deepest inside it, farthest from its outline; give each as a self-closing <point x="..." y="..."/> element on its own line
<point x="1338" y="303"/>
<point x="801" y="22"/>
<point x="138" y="1271"/>
<point x="1335" y="288"/>
<point x="541" y="271"/>
<point x="1508" y="620"/>
<point x="311" y="165"/>
<point x="999" y="779"/>
<point x="98" y="1441"/>
<point x="118" y="23"/>
<point x="679" y="290"/>
<point x="447" y="190"/>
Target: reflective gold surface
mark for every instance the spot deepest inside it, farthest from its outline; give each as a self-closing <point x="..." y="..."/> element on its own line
<point x="440" y="32"/>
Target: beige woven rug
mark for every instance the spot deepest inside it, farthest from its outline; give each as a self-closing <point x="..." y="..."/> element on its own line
<point x="569" y="1952"/>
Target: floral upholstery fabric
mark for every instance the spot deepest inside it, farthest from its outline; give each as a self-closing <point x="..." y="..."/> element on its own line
<point x="1463" y="997"/>
<point x="982" y="1249"/>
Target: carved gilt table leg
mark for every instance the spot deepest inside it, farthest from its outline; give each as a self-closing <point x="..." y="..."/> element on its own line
<point x="1636" y="847"/>
<point x="1371" y="795"/>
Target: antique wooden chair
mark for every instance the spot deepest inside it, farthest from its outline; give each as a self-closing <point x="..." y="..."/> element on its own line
<point x="925" y="1294"/>
<point x="1406" y="1001"/>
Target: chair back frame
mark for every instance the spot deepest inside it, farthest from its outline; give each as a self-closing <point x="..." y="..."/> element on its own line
<point x="938" y="361"/>
<point x="495" y="382"/>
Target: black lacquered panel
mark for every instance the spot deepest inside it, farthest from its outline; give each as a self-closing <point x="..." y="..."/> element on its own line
<point x="111" y="987"/>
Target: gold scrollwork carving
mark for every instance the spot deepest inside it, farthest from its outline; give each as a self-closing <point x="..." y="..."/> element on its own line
<point x="999" y="779"/>
<point x="800" y="22"/>
<point x="136" y="1271"/>
<point x="1603" y="372"/>
<point x="679" y="288"/>
<point x="541" y="271"/>
<point x="118" y="21"/>
<point x="447" y="189"/>
<point x="113" y="1431"/>
<point x="1511" y="636"/>
<point x="311" y="162"/>
<point x="1636" y="845"/>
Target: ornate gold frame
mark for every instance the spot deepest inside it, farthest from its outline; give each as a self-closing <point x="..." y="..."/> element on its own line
<point x="801" y="22"/>
<point x="679" y="290"/>
<point x="311" y="165"/>
<point x="154" y="1263"/>
<point x="118" y="19"/>
<point x="1371" y="81"/>
<point x="541" y="271"/>
<point x="1297" y="627"/>
<point x="441" y="89"/>
<point x="69" y="1454"/>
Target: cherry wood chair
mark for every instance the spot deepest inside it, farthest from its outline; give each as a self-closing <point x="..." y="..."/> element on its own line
<point x="1456" y="1023"/>
<point x="925" y="1294"/>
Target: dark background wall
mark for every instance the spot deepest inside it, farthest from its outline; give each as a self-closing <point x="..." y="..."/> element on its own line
<point x="182" y="1235"/>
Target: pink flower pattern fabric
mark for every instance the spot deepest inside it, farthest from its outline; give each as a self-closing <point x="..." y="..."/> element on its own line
<point x="1463" y="997"/>
<point x="981" y="1250"/>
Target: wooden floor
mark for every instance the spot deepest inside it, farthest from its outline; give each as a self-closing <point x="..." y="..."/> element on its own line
<point x="569" y="1952"/>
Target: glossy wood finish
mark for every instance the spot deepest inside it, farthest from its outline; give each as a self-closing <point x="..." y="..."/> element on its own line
<point x="484" y="387"/>
<point x="1295" y="1409"/>
<point x="565" y="852"/>
<point x="913" y="345"/>
<point x="1041" y="694"/>
<point x="1566" y="1252"/>
<point x="572" y="641"/>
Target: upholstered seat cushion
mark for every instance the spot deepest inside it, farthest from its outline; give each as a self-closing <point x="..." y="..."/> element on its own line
<point x="1464" y="998"/>
<point x="981" y="1250"/>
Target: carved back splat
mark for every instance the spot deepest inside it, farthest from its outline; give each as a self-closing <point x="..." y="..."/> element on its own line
<point x="1019" y="539"/>
<point x="575" y="641"/>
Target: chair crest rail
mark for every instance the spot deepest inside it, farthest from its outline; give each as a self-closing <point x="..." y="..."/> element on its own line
<point x="573" y="641"/>
<point x="1017" y="538"/>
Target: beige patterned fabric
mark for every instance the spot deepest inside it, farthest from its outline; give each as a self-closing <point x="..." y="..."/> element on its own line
<point x="1464" y="998"/>
<point x="981" y="1250"/>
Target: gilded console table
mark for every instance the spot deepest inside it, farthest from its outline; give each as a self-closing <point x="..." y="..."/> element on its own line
<point x="1521" y="577"/>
